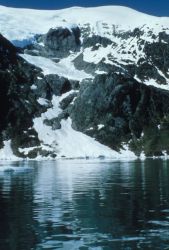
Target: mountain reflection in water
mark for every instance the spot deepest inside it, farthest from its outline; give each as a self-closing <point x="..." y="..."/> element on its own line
<point x="85" y="205"/>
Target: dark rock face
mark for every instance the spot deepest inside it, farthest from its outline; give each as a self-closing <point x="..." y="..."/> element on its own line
<point x="125" y="109"/>
<point x="18" y="103"/>
<point x="51" y="85"/>
<point x="96" y="41"/>
<point x="7" y="53"/>
<point x="68" y="100"/>
<point x="158" y="53"/>
<point x="59" y="42"/>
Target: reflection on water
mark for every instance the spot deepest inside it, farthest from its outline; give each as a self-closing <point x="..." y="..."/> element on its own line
<point x="84" y="205"/>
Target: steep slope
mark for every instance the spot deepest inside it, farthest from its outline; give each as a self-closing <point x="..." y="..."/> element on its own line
<point x="32" y="122"/>
<point x="17" y="101"/>
<point x="84" y="82"/>
<point x="118" y="110"/>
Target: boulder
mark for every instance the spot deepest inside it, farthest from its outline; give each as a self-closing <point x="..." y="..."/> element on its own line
<point x="54" y="123"/>
<point x="51" y="85"/>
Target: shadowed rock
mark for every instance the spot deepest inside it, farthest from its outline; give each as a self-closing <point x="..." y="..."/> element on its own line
<point x="125" y="109"/>
<point x="59" y="42"/>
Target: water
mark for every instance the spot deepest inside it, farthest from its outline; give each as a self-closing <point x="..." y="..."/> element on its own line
<point x="84" y="205"/>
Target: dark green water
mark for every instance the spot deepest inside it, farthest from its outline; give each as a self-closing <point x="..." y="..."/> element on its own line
<point x="84" y="205"/>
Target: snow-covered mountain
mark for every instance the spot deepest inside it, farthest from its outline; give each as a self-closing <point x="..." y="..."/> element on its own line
<point x="22" y="24"/>
<point x="84" y="82"/>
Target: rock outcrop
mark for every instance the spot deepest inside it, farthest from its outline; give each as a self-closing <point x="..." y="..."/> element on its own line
<point x="58" y="42"/>
<point x="18" y="103"/>
<point x="25" y="93"/>
<point x="117" y="110"/>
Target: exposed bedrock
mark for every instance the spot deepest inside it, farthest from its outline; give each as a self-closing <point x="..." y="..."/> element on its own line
<point x="58" y="42"/>
<point x="115" y="110"/>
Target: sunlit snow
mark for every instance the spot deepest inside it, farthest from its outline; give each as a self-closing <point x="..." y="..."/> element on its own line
<point x="63" y="68"/>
